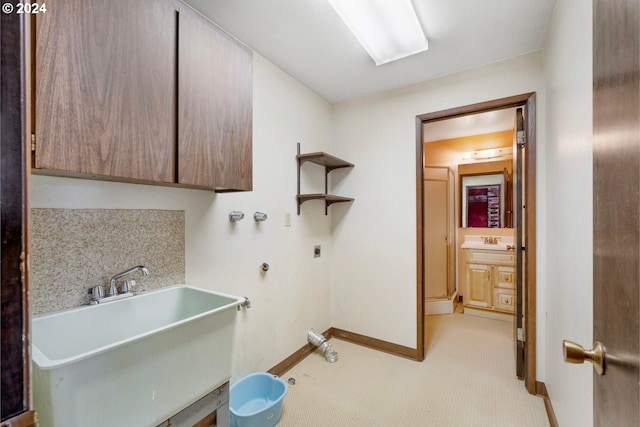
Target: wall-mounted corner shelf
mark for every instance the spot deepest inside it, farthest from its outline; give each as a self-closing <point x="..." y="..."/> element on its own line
<point x="330" y="163"/>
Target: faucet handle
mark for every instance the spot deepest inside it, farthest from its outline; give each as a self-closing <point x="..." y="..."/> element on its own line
<point x="127" y="286"/>
<point x="96" y="293"/>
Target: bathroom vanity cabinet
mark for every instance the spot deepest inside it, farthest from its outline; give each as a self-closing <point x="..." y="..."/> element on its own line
<point x="490" y="280"/>
<point x="152" y="93"/>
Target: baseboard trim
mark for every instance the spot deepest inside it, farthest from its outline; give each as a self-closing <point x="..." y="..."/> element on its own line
<point x="541" y="390"/>
<point x="296" y="357"/>
<point x="363" y="340"/>
<point x="376" y="344"/>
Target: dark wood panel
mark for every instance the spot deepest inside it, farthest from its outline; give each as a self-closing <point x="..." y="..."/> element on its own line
<point x="106" y="88"/>
<point x="215" y="107"/>
<point x="616" y="202"/>
<point x="14" y="363"/>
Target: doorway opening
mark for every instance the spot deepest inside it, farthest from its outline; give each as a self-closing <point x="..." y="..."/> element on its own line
<point x="491" y="189"/>
<point x="468" y="193"/>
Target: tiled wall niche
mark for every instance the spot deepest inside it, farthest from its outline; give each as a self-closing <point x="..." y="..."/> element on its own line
<point x="72" y="250"/>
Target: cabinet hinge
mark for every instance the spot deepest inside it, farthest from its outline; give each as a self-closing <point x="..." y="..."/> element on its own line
<point x="521" y="335"/>
<point x="520" y="138"/>
<point x="33" y="142"/>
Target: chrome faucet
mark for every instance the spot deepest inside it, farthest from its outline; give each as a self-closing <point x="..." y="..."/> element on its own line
<point x="113" y="289"/>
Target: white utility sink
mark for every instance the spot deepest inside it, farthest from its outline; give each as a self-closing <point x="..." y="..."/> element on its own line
<point x="134" y="361"/>
<point x="486" y="242"/>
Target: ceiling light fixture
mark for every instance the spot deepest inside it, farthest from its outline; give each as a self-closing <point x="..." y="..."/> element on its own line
<point x="388" y="30"/>
<point x="487" y="154"/>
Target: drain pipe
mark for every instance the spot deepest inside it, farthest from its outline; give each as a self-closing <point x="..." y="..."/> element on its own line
<point x="317" y="339"/>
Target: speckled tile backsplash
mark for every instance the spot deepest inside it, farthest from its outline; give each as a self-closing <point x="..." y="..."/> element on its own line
<point x="75" y="249"/>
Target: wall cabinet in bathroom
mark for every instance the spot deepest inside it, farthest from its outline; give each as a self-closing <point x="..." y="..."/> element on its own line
<point x="330" y="163"/>
<point x="150" y="93"/>
<point x="215" y="103"/>
<point x="104" y="90"/>
<point x="490" y="280"/>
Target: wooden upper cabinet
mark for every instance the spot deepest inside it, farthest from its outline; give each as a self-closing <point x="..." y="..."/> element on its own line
<point x="147" y="92"/>
<point x="215" y="104"/>
<point x="105" y="76"/>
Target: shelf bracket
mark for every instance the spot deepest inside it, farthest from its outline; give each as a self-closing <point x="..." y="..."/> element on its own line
<point x="329" y="163"/>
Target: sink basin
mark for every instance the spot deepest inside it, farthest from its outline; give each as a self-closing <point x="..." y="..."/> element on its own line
<point x="478" y="242"/>
<point x="134" y="361"/>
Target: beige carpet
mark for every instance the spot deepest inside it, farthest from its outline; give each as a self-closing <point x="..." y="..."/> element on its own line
<point x="467" y="379"/>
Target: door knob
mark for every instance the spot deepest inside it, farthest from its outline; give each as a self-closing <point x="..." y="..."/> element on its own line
<point x="575" y="353"/>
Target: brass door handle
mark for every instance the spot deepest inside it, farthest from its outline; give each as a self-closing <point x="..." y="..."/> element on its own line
<point x="575" y="353"/>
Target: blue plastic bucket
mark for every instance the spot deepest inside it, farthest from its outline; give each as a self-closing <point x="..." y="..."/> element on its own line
<point x="256" y="400"/>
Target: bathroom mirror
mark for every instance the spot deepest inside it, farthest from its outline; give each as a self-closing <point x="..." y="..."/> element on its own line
<point x="483" y="200"/>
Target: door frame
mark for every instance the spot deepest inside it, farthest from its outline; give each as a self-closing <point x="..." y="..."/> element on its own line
<point x="15" y="138"/>
<point x="528" y="102"/>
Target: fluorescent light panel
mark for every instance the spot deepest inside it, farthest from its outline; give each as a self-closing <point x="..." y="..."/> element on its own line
<point x="387" y="29"/>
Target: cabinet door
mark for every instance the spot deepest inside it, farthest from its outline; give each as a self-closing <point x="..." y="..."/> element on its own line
<point x="215" y="82"/>
<point x="105" y="74"/>
<point x="478" y="291"/>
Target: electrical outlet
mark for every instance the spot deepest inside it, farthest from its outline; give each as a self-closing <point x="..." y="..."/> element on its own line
<point x="287" y="219"/>
<point x="316" y="251"/>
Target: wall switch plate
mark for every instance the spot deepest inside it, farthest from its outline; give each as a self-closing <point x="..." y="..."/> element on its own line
<point x="287" y="219"/>
<point x="316" y="251"/>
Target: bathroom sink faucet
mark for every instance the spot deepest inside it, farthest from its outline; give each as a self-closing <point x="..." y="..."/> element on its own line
<point x="113" y="289"/>
<point x="490" y="240"/>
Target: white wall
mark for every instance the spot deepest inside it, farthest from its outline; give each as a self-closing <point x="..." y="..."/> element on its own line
<point x="374" y="263"/>
<point x="569" y="251"/>
<point x="294" y="295"/>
